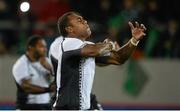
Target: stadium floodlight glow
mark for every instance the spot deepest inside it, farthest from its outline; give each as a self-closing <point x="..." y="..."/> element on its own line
<point x="25" y="6"/>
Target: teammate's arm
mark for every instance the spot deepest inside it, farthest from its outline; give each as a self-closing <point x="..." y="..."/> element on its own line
<point x="46" y="64"/>
<point x="34" y="89"/>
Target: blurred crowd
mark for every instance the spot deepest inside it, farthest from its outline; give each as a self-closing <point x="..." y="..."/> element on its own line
<point x="107" y="18"/>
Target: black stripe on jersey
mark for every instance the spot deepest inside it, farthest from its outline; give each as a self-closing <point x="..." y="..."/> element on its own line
<point x="69" y="92"/>
<point x="55" y="65"/>
<point x="22" y="96"/>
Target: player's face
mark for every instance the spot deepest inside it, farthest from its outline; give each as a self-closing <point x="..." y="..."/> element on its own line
<point x="79" y="26"/>
<point x="40" y="48"/>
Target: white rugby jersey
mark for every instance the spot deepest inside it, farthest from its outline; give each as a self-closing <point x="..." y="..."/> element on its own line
<point x="75" y="74"/>
<point x="54" y="48"/>
<point x="25" y="69"/>
<point x="54" y="53"/>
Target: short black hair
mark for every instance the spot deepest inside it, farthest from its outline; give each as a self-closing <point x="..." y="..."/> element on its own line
<point x="32" y="41"/>
<point x="63" y="22"/>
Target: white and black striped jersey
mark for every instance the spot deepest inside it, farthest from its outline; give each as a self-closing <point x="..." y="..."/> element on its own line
<point x="54" y="53"/>
<point x="36" y="73"/>
<point x="75" y="74"/>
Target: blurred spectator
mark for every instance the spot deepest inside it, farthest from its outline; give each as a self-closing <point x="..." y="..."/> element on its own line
<point x="118" y="25"/>
<point x="152" y="13"/>
<point x="7" y="29"/>
<point x="168" y="44"/>
<point x="51" y="33"/>
<point x="4" y="10"/>
<point x="104" y="12"/>
<point x="154" y="21"/>
<point x="107" y="18"/>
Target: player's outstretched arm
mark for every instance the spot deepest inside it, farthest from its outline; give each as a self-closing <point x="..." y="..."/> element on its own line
<point x="95" y="50"/>
<point x="121" y="55"/>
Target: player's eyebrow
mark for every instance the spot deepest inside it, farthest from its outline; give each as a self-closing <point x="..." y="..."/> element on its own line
<point x="79" y="17"/>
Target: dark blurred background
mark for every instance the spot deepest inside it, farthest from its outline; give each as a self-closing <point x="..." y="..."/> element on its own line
<point x="150" y="79"/>
<point x="107" y="18"/>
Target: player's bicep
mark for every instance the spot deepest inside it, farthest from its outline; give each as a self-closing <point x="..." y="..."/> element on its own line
<point x="96" y="50"/>
<point x="89" y="50"/>
<point x="85" y="49"/>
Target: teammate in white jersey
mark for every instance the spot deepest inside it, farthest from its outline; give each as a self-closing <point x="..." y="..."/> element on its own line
<point x="77" y="58"/>
<point x="31" y="73"/>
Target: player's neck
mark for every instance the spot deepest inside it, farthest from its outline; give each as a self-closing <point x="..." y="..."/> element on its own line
<point x="78" y="37"/>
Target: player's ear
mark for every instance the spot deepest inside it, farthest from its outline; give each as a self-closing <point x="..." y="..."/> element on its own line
<point x="69" y="29"/>
<point x="30" y="47"/>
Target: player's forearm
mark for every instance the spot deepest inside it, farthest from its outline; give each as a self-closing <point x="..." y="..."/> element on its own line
<point x="34" y="89"/>
<point x="120" y="56"/>
<point x="126" y="51"/>
<point x="95" y="50"/>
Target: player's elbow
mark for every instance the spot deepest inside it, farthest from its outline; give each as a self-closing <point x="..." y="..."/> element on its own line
<point x="25" y="89"/>
<point x="121" y="61"/>
<point x="25" y="86"/>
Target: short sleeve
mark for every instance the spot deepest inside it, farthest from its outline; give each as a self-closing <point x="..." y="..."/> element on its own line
<point x="20" y="71"/>
<point x="72" y="44"/>
<point x="54" y="48"/>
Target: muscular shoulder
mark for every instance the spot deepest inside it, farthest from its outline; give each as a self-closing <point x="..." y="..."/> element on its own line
<point x="20" y="66"/>
<point x="72" y="44"/>
<point x="21" y="61"/>
<point x="54" y="48"/>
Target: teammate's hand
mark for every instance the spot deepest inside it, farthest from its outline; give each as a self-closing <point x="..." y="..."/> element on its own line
<point x="137" y="30"/>
<point x="45" y="64"/>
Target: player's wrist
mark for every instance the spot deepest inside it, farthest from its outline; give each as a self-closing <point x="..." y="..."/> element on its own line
<point x="107" y="47"/>
<point x="134" y="41"/>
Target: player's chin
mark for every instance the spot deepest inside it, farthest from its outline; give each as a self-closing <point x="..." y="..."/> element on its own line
<point x="88" y="32"/>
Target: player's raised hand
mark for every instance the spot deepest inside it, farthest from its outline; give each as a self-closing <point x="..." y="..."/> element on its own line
<point x="137" y="30"/>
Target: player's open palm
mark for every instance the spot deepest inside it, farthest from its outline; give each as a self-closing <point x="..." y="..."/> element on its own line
<point x="137" y="30"/>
